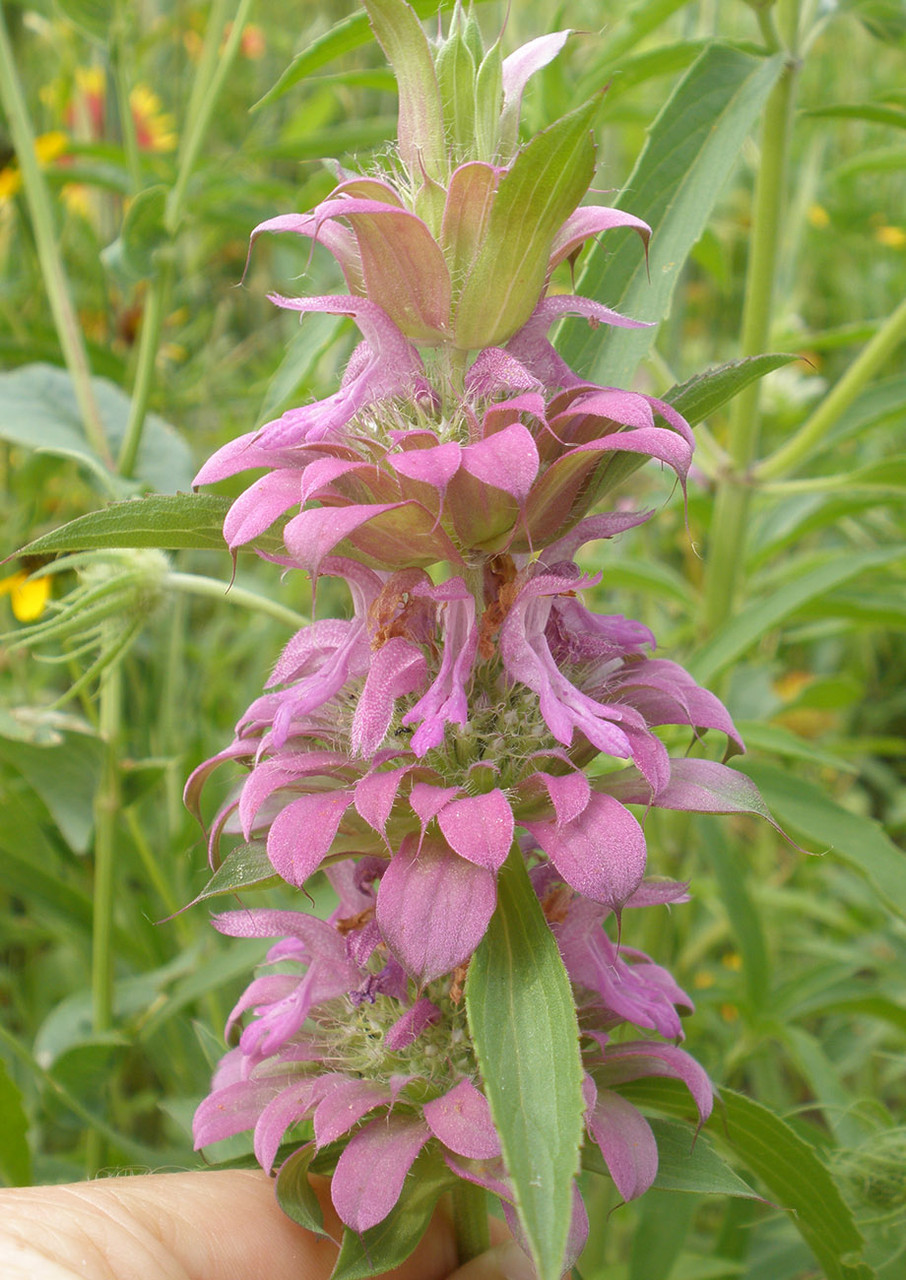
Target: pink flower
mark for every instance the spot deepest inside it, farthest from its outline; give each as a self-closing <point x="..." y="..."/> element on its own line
<point x="339" y="1035"/>
<point x="510" y="464"/>
<point x="419" y="734"/>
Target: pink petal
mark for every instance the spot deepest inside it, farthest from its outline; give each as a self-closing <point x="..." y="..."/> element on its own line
<point x="433" y="907"/>
<point x="626" y="1141"/>
<point x="312" y="535"/>
<point x="507" y="460"/>
<point x="302" y="833"/>
<point x="461" y="1119"/>
<point x="434" y="466"/>
<point x="373" y="1167"/>
<point x="600" y="854"/>
<point x="479" y="828"/>
<point x="408" y="1028"/>
<point x="290" y="1106"/>
<point x="590" y="220"/>
<point x="258" y="507"/>
<point x="344" y="1105"/>
<point x="427" y="800"/>
<point x="375" y="795"/>
<point x="397" y="668"/>
<point x="636" y="1059"/>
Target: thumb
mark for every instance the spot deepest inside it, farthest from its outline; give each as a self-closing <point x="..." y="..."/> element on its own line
<point x="503" y="1262"/>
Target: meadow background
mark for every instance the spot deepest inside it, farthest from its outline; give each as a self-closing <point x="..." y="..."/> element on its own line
<point x="132" y="169"/>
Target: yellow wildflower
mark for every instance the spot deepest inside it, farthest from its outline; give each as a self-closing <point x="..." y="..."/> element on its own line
<point x="891" y="237"/>
<point x="28" y="595"/>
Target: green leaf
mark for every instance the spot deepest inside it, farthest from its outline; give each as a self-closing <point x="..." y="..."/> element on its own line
<point x="704" y="393"/>
<point x="640" y="21"/>
<point x="860" y="842"/>
<point x="885" y="19"/>
<point x="668" y="59"/>
<point x="93" y="16"/>
<point x="663" y="1225"/>
<point x="295" y="1194"/>
<point x="169" y="522"/>
<point x="38" y="410"/>
<point x="765" y="613"/>
<point x="420" y="134"/>
<point x="537" y="193"/>
<point x="244" y="867"/>
<point x="65" y="776"/>
<point x="790" y="1169"/>
<point x="878" y="160"/>
<point x="523" y="1024"/>
<point x="878" y="405"/>
<point x="386" y="1246"/>
<point x="143" y="232"/>
<point x="692" y="147"/>
<point x="687" y="1162"/>
<point x="773" y="739"/>
<point x="344" y="36"/>
<point x="15" y="1156"/>
<point x="871" y="111"/>
<point x="742" y="912"/>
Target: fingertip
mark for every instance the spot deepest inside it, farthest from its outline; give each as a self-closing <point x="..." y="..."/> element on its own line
<point x="504" y="1262"/>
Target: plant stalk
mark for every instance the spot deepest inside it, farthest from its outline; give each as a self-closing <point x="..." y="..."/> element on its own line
<point x="106" y="811"/>
<point x="149" y="342"/>
<point x="731" y="511"/>
<point x="196" y="584"/>
<point x="810" y="435"/>
<point x="40" y="210"/>
<point x="205" y="91"/>
<point x="470" y="1220"/>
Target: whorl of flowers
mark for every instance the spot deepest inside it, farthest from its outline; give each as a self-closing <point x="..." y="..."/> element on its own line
<point x="461" y="714"/>
<point x="342" y="1043"/>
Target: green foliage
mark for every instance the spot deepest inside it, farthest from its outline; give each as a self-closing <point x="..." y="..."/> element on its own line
<point x="522" y="1019"/>
<point x="692" y="148"/>
<point x="795" y="961"/>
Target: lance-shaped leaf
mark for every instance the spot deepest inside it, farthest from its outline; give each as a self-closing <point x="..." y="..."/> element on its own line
<point x="523" y="1024"/>
<point x="456" y="70"/>
<point x="167" y="521"/>
<point x="692" y="147"/>
<point x="421" y="127"/>
<point x="538" y="193"/>
<point x="470" y="198"/>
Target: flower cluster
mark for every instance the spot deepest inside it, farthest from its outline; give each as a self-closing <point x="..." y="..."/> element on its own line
<point x="341" y="1033"/>
<point x="466" y="712"/>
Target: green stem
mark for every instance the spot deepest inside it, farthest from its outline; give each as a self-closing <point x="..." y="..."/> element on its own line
<point x="212" y="74"/>
<point x="836" y="402"/>
<point x="470" y="1220"/>
<point x="197" y="585"/>
<point x="730" y="520"/>
<point x="119" y="45"/>
<point x="40" y="209"/>
<point x="106" y="809"/>
<point x="149" y="342"/>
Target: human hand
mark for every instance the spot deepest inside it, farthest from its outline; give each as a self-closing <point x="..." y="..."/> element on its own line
<point x="213" y="1225"/>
